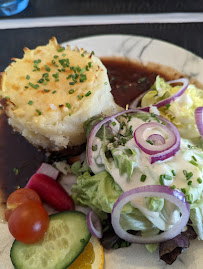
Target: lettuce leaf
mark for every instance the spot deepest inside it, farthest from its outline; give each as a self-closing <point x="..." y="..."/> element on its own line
<point x="100" y="193"/>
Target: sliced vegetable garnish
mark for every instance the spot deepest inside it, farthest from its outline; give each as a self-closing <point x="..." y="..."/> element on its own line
<point x="51" y="192"/>
<point x="48" y="170"/>
<point x="96" y="129"/>
<point x="152" y="148"/>
<point x="174" y="196"/>
<point x="94" y="224"/>
<point x="184" y="81"/>
<point x="199" y="119"/>
<point x="66" y="238"/>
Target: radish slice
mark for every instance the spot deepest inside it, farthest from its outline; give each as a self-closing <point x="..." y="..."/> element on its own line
<point x="199" y="119"/>
<point x="94" y="224"/>
<point x="48" y="170"/>
<point x="174" y="196"/>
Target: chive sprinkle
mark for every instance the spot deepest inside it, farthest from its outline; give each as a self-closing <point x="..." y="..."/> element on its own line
<point x="183" y="190"/>
<point x="194" y="158"/>
<point x="47" y="68"/>
<point x="90" y="64"/>
<point x="56" y="56"/>
<point x="150" y="142"/>
<point x="113" y="123"/>
<point x="16" y="171"/>
<point x="68" y="105"/>
<point x="71" y="83"/>
<point x="27" y="77"/>
<point x="71" y="91"/>
<point x="26" y="87"/>
<point x="88" y="93"/>
<point x="61" y="49"/>
<point x="35" y="86"/>
<point x="30" y="102"/>
<point x="173" y="172"/>
<point x="173" y="187"/>
<point x="193" y="163"/>
<point x="39" y="112"/>
<point x="143" y="178"/>
<point x="199" y="180"/>
<point x="46" y="90"/>
<point x="189" y="183"/>
<point x="79" y="97"/>
<point x="53" y="92"/>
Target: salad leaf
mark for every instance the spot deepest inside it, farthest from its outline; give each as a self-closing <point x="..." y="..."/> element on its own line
<point x="181" y="111"/>
<point x="125" y="160"/>
<point x="100" y="193"/>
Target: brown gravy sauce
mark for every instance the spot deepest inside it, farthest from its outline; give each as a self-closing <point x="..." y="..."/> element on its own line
<point x="19" y="159"/>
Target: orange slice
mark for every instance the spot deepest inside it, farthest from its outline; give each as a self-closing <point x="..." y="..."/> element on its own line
<point x="91" y="258"/>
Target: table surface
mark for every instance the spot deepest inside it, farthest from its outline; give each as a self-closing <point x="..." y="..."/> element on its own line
<point x="186" y="35"/>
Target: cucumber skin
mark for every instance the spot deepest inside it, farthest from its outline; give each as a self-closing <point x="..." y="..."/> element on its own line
<point x="53" y="216"/>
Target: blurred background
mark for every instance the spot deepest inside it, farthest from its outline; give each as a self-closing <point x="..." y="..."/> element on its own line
<point x="178" y="22"/>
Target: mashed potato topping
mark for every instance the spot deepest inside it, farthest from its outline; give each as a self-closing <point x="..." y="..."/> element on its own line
<point x="51" y="91"/>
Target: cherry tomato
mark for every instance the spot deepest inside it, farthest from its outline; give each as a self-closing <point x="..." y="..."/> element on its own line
<point x="19" y="197"/>
<point x="28" y="222"/>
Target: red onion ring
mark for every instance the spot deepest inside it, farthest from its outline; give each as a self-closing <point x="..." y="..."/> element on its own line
<point x="48" y="170"/>
<point x="94" y="224"/>
<point x="168" y="100"/>
<point x="174" y="196"/>
<point x="153" y="149"/>
<point x="199" y="119"/>
<point x="96" y="129"/>
<point x="157" y="139"/>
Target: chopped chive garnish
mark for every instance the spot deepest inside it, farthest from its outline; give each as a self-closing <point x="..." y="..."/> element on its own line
<point x="41" y="80"/>
<point x="61" y="49"/>
<point x="46" y="90"/>
<point x="94" y="148"/>
<point x="71" y="83"/>
<point x="69" y="114"/>
<point x="71" y="91"/>
<point x="168" y="177"/>
<point x="185" y="172"/>
<point x="189" y="183"/>
<point x="90" y="64"/>
<point x="82" y="55"/>
<point x="88" y="93"/>
<point x="30" y="102"/>
<point x="16" y="171"/>
<point x="173" y="172"/>
<point x="68" y="105"/>
<point x="39" y="112"/>
<point x="143" y="178"/>
<point x="47" y="68"/>
<point x="54" y="63"/>
<point x="113" y="123"/>
<point x="193" y="163"/>
<point x="150" y="142"/>
<point x="183" y="190"/>
<point x="194" y="158"/>
<point x="105" y="83"/>
<point x="35" y="86"/>
<point x="140" y="80"/>
<point x="189" y="175"/>
<point x="173" y="187"/>
<point x="27" y="77"/>
<point x="79" y="97"/>
<point x="199" y="180"/>
<point x="63" y="54"/>
<point x="54" y="92"/>
<point x="26" y="87"/>
<point x="56" y="56"/>
<point x="7" y="97"/>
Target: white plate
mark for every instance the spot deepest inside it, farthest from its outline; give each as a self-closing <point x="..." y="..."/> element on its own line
<point x="144" y="50"/>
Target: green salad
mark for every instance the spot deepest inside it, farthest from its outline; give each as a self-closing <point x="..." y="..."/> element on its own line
<point x="138" y="148"/>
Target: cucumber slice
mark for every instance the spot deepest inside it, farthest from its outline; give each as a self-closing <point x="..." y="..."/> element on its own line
<point x="66" y="238"/>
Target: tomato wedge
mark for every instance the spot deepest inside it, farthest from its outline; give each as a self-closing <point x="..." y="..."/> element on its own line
<point x="19" y="197"/>
<point x="28" y="222"/>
